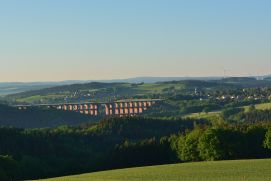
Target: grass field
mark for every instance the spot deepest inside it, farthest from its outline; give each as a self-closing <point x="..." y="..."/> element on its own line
<point x="262" y="106"/>
<point x="37" y="98"/>
<point x="241" y="170"/>
<point x="209" y="115"/>
<point x="214" y="115"/>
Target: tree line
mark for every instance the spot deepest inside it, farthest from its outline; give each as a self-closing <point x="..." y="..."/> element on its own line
<point x="200" y="144"/>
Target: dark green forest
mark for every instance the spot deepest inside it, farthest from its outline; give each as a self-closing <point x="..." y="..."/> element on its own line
<point x="125" y="142"/>
<point x="64" y="150"/>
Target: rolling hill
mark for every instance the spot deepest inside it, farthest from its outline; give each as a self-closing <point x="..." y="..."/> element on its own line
<point x="40" y="118"/>
<point x="105" y="91"/>
<point x="7" y="88"/>
<point x="241" y="170"/>
<point x="97" y="91"/>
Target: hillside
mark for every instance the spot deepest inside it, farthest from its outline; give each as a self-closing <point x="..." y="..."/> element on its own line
<point x="7" y="88"/>
<point x="97" y="91"/>
<point x="215" y="115"/>
<point x="245" y="82"/>
<point x="13" y="87"/>
<point x="101" y="91"/>
<point x="40" y="118"/>
<point x="243" y="170"/>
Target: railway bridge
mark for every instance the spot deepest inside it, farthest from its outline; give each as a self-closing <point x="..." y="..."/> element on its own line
<point x="128" y="107"/>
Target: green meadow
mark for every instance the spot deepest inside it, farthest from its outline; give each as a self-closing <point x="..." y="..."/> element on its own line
<point x="241" y="170"/>
<point x="215" y="114"/>
<point x="262" y="106"/>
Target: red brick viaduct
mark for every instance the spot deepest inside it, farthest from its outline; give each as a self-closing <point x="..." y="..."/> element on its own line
<point x="120" y="108"/>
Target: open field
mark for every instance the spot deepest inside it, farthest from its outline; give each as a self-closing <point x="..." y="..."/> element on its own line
<point x="38" y="98"/>
<point x="215" y="114"/>
<point x="211" y="116"/>
<point x="263" y="106"/>
<point x="241" y="170"/>
<point x="260" y="106"/>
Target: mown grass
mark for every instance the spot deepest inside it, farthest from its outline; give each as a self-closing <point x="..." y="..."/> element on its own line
<point x="241" y="170"/>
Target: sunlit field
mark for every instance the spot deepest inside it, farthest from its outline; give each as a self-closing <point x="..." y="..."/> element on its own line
<point x="241" y="170"/>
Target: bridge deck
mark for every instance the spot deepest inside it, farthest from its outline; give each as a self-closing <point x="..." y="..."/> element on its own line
<point x="80" y="103"/>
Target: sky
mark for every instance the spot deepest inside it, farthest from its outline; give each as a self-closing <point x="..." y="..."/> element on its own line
<point x="53" y="40"/>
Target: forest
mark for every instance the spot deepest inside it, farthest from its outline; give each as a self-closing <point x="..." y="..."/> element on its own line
<point x="126" y="142"/>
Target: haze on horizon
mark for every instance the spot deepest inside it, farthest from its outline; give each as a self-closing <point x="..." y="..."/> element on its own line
<point x="90" y="40"/>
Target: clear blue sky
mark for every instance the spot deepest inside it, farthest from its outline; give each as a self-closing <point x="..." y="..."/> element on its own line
<point x="50" y="40"/>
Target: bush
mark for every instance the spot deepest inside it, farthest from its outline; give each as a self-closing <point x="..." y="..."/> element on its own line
<point x="209" y="146"/>
<point x="189" y="146"/>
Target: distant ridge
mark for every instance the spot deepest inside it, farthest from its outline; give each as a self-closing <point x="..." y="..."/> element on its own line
<point x="161" y="79"/>
<point x="17" y="87"/>
<point x="267" y="77"/>
<point x="7" y="88"/>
